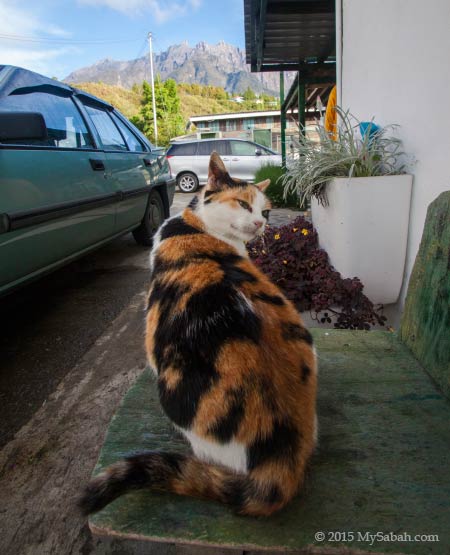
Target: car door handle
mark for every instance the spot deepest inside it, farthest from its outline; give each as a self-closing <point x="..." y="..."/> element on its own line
<point x="226" y="159"/>
<point x="235" y="159"/>
<point x="97" y="165"/>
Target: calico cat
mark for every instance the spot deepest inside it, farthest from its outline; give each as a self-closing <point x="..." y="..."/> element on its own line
<point x="236" y="368"/>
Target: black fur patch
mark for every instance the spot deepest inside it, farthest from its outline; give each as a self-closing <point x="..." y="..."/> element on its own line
<point x="270" y="299"/>
<point x="176" y="227"/>
<point x="193" y="204"/>
<point x="212" y="317"/>
<point x="167" y="293"/>
<point x="233" y="491"/>
<point x="225" y="428"/>
<point x="153" y="469"/>
<point x="266" y="391"/>
<point x="162" y="266"/>
<point x="305" y="372"/>
<point x="282" y="443"/>
<point x="294" y="332"/>
<point x="233" y="274"/>
<point x="230" y="182"/>
<point x="270" y="496"/>
<point x="242" y="489"/>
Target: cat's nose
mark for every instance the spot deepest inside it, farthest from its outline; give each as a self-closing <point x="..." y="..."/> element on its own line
<point x="258" y="223"/>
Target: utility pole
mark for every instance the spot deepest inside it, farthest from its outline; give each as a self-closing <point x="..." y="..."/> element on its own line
<point x="153" y="88"/>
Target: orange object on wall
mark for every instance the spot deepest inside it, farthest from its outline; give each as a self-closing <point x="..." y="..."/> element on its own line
<point x="330" y="114"/>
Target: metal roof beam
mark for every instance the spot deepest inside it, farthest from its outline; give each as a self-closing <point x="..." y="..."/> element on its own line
<point x="301" y="7"/>
<point x="260" y="38"/>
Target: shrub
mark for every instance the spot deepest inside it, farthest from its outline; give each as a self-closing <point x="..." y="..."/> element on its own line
<point x="275" y="191"/>
<point x="291" y="257"/>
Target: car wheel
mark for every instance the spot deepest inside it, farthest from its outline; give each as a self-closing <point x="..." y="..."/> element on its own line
<point x="153" y="218"/>
<point x="187" y="182"/>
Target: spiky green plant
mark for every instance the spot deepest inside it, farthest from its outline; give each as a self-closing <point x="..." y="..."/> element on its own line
<point x="315" y="163"/>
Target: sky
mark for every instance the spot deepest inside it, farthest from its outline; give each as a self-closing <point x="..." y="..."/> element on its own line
<point x="56" y="37"/>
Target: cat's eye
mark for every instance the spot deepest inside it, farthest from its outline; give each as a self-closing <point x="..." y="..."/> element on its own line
<point x="245" y="205"/>
<point x="265" y="214"/>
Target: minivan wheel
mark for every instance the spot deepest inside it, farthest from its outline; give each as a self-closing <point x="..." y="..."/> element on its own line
<point x="187" y="182"/>
<point x="153" y="218"/>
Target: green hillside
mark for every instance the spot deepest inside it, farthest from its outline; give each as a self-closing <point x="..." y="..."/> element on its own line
<point x="126" y="101"/>
<point x="195" y="100"/>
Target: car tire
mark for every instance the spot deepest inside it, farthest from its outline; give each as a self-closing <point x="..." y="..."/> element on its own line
<point x="153" y="218"/>
<point x="187" y="182"/>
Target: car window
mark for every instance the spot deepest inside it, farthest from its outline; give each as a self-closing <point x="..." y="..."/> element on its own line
<point x="205" y="148"/>
<point x="65" y="126"/>
<point x="134" y="144"/>
<point x="187" y="149"/>
<point x="241" y="148"/>
<point x="109" y="134"/>
<point x="222" y="147"/>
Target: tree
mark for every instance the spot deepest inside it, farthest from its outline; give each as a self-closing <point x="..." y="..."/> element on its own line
<point x="249" y="95"/>
<point x="168" y="117"/>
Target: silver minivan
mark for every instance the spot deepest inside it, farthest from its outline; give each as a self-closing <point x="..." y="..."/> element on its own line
<point x="189" y="160"/>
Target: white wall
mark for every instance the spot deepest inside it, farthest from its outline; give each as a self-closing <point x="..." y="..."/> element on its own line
<point x="396" y="68"/>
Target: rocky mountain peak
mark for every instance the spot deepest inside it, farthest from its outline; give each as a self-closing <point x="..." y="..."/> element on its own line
<point x="220" y="64"/>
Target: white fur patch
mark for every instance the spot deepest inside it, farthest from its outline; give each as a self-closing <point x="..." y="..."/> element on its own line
<point x="232" y="455"/>
<point x="230" y="224"/>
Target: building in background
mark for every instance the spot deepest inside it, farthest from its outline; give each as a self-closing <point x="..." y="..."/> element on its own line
<point x="263" y="127"/>
<point x="389" y="61"/>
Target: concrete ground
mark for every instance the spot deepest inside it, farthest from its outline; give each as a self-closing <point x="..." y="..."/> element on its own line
<point x="71" y="347"/>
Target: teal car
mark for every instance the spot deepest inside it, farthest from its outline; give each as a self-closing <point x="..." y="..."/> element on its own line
<point x="74" y="174"/>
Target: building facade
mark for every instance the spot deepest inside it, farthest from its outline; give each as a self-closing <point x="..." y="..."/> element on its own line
<point x="263" y="127"/>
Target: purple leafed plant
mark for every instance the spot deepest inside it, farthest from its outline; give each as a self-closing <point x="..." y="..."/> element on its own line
<point x="291" y="257"/>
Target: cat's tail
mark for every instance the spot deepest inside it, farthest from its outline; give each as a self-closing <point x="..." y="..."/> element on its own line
<point x="184" y="475"/>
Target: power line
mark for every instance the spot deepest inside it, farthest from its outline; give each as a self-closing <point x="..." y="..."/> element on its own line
<point x="65" y="41"/>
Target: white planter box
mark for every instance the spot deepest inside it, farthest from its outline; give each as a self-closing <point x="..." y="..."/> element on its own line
<point x="365" y="231"/>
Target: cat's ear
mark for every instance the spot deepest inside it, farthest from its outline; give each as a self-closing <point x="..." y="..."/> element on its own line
<point x="263" y="185"/>
<point x="216" y="172"/>
<point x="216" y="166"/>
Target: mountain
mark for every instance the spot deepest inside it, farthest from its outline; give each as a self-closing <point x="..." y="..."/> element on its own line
<point x="220" y="65"/>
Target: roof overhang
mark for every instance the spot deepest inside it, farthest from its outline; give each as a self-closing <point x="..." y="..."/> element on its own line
<point x="292" y="35"/>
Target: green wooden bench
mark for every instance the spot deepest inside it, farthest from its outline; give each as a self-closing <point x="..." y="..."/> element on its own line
<point x="382" y="465"/>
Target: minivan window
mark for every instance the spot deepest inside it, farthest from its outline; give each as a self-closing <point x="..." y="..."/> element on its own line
<point x="206" y="147"/>
<point x="241" y="148"/>
<point x="65" y="126"/>
<point x="109" y="134"/>
<point x="187" y="149"/>
<point x="134" y="144"/>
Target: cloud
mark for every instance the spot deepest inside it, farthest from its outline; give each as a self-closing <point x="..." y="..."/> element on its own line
<point x="14" y="21"/>
<point x="43" y="61"/>
<point x="162" y="10"/>
<point x="38" y="56"/>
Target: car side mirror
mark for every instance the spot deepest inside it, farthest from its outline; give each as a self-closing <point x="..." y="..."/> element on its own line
<point x="258" y="152"/>
<point x="16" y="126"/>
